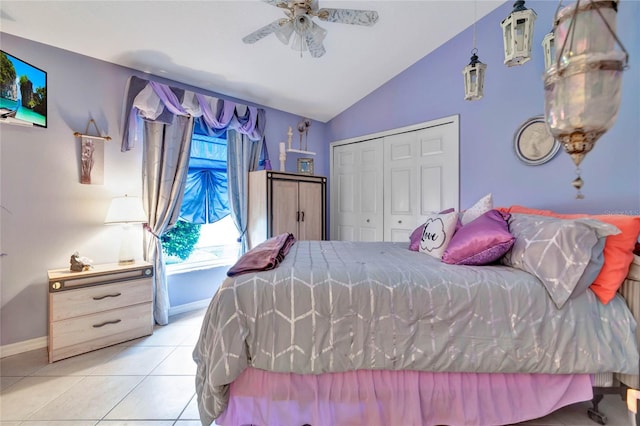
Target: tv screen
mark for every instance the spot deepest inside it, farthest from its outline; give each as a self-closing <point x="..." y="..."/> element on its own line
<point x="23" y="92"/>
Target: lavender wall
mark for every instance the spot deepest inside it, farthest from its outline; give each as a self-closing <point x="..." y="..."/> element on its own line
<point x="433" y="88"/>
<point x="46" y="214"/>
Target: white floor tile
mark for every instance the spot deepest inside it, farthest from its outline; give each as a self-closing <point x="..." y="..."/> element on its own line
<point x="133" y="361"/>
<point x="178" y="363"/>
<point x="191" y="412"/>
<point x="5" y="382"/>
<point x="32" y="393"/>
<point x="89" y="399"/>
<point x="135" y="423"/>
<point x="156" y="398"/>
<point x="80" y="365"/>
<point x="189" y="423"/>
<point x="23" y="364"/>
<point x="57" y="423"/>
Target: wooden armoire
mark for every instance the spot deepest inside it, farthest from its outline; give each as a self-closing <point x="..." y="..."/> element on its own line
<point x="282" y="202"/>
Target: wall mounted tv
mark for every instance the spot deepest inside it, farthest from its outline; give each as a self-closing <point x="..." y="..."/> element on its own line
<point x="23" y="92"/>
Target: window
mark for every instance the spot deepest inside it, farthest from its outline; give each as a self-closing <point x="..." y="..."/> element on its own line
<point x="206" y="206"/>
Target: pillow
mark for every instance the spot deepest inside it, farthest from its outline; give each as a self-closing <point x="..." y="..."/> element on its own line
<point x="556" y="251"/>
<point x="618" y="249"/>
<point x="480" y="242"/>
<point x="416" y="235"/>
<point x="481" y="206"/>
<point x="437" y="233"/>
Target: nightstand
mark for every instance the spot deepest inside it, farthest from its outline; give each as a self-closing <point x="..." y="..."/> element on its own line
<point x="103" y="306"/>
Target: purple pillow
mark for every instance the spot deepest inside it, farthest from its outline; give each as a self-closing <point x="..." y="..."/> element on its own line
<point x="481" y="241"/>
<point x="416" y="235"/>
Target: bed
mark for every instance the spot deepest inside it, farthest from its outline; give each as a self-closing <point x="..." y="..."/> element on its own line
<point x="372" y="333"/>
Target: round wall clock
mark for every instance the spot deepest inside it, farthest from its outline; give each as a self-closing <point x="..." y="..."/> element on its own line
<point x="533" y="143"/>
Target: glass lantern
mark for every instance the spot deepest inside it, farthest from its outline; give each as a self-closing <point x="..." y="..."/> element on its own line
<point x="517" y="34"/>
<point x="548" y="47"/>
<point x="583" y="85"/>
<point x="474" y="78"/>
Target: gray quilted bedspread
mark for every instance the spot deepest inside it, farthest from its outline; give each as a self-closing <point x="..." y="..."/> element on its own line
<point x="335" y="306"/>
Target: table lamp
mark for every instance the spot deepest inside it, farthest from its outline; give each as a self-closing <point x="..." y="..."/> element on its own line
<point x="126" y="211"/>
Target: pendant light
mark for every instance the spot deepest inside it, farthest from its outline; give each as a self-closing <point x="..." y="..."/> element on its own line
<point x="517" y="34"/>
<point x="582" y="87"/>
<point x="474" y="72"/>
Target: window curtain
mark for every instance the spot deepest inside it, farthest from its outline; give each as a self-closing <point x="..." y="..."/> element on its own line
<point x="243" y="156"/>
<point x="165" y="164"/>
<point x="164" y="175"/>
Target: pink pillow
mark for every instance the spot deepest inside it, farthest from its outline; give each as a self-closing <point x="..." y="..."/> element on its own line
<point x="480" y="242"/>
<point x="416" y="235"/>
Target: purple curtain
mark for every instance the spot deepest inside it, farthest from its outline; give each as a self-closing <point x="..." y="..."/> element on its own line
<point x="178" y="102"/>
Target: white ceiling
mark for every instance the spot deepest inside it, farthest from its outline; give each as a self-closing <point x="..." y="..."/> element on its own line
<point x="199" y="43"/>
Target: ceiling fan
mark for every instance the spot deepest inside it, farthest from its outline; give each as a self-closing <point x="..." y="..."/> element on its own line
<point x="299" y="22"/>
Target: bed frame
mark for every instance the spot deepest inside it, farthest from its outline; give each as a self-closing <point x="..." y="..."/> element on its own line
<point x="627" y="386"/>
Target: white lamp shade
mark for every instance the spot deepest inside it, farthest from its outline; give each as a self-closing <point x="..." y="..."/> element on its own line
<point x="126" y="210"/>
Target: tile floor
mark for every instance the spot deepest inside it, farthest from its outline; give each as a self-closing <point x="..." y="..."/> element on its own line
<point x="149" y="382"/>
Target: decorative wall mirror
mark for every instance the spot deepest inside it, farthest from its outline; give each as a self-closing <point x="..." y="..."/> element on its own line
<point x="533" y="143"/>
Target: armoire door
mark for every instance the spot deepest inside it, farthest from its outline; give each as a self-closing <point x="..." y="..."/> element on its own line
<point x="358" y="182"/>
<point x="284" y="208"/>
<point x="310" y="206"/>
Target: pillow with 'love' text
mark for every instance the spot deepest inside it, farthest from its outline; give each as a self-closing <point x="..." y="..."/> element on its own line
<point x="437" y="233"/>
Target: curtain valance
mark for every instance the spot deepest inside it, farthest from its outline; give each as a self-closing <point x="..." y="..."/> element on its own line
<point x="153" y="101"/>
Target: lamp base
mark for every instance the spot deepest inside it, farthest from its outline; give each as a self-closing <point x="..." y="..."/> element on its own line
<point x="127" y="246"/>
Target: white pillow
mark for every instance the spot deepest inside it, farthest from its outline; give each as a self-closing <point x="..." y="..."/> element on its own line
<point x="482" y="206"/>
<point x="437" y="233"/>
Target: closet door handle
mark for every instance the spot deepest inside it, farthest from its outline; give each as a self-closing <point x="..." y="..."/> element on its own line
<point x="368" y="221"/>
<point x="302" y="220"/>
<point x="297" y="216"/>
<point x="399" y="221"/>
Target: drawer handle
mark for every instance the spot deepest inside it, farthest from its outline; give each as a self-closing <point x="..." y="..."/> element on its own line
<point x="105" y="323"/>
<point x="107" y="295"/>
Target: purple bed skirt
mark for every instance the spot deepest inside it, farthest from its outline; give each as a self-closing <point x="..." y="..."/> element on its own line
<point x="389" y="398"/>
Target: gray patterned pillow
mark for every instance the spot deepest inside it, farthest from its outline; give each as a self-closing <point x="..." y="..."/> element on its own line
<point x="556" y="251"/>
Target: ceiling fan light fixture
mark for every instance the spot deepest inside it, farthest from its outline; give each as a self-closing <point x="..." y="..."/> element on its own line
<point x="284" y="32"/>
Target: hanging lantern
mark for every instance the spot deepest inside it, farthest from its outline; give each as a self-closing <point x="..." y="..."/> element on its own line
<point x="583" y="85"/>
<point x="548" y="47"/>
<point x="517" y="34"/>
<point x="474" y="78"/>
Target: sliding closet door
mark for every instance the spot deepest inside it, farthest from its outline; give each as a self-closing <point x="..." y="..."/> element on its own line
<point x="421" y="177"/>
<point x="357" y="191"/>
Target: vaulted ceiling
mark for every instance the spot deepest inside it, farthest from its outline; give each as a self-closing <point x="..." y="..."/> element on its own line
<point x="199" y="43"/>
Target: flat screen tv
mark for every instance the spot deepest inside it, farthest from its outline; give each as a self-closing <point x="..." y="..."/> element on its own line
<point x="23" y="92"/>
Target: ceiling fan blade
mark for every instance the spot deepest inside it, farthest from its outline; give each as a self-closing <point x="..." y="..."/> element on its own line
<point x="314" y="38"/>
<point x="349" y="16"/>
<point x="278" y="3"/>
<point x="261" y="33"/>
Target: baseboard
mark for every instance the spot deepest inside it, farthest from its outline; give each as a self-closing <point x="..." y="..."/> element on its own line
<point x="187" y="307"/>
<point x="24" y="346"/>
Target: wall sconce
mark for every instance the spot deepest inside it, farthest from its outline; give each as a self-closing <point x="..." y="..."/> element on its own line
<point x="474" y="78"/>
<point x="517" y="34"/>
<point x="548" y="47"/>
<point x="582" y="87"/>
<point x="126" y="211"/>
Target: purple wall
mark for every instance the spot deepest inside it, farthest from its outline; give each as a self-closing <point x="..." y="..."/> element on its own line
<point x="433" y="88"/>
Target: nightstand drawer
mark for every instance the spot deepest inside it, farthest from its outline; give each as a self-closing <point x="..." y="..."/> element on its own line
<point x="82" y="334"/>
<point x="89" y="300"/>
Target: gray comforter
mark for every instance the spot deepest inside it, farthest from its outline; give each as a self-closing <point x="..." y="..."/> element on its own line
<point x="335" y="306"/>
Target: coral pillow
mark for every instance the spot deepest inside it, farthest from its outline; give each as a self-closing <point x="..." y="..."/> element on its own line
<point x="480" y="242"/>
<point x="618" y="249"/>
